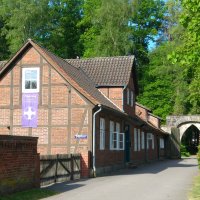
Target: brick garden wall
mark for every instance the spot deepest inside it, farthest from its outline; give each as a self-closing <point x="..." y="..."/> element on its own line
<point x="19" y="163"/>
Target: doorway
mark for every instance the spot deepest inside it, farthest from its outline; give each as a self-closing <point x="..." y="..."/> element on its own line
<point x="190" y="139"/>
<point x="127" y="143"/>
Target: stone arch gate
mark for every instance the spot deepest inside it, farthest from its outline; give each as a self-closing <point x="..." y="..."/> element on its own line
<point x="176" y="126"/>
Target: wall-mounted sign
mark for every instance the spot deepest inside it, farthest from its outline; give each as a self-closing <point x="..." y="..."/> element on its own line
<point x="81" y="136"/>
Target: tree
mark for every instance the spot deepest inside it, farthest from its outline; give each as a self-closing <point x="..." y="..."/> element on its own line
<point x="107" y="31"/>
<point x="4" y="53"/>
<point x="120" y="27"/>
<point x="53" y="23"/>
<point x="64" y="34"/>
<point x="187" y="55"/>
<point x="23" y="19"/>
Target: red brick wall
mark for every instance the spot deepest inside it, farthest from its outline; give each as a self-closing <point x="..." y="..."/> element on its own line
<point x="108" y="157"/>
<point x="62" y="113"/>
<point x="115" y="94"/>
<point x="118" y="96"/>
<point x="19" y="164"/>
<point x="153" y="120"/>
<point x="137" y="157"/>
<point x="128" y="108"/>
<point x="141" y="112"/>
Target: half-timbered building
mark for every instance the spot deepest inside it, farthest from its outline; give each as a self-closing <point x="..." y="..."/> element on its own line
<point x="82" y="106"/>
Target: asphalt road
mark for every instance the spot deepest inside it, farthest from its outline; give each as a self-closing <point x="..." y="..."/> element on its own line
<point x="163" y="180"/>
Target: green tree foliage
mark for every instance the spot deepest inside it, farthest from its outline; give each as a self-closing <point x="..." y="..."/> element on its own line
<point x="159" y="83"/>
<point x="4" y="53"/>
<point x="63" y="33"/>
<point x="187" y="55"/>
<point x="53" y="23"/>
<point x="120" y="27"/>
<point x="107" y="31"/>
<point x="23" y="20"/>
<point x="165" y="89"/>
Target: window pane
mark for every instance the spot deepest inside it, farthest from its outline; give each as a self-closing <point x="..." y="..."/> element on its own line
<point x="28" y="75"/>
<point x="34" y="74"/>
<point x="33" y="84"/>
<point x="27" y="84"/>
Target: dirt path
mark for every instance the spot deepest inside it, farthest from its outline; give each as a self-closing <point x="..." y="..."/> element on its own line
<point x="163" y="180"/>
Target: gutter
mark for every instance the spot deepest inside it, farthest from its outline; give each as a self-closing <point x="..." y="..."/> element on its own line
<point x="94" y="140"/>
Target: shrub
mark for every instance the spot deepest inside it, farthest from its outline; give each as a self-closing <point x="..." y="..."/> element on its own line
<point x="184" y="151"/>
<point x="198" y="155"/>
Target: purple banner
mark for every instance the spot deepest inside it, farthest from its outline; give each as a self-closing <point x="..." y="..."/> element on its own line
<point x="29" y="109"/>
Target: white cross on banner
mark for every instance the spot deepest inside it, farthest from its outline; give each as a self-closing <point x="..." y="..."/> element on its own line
<point x="29" y="109"/>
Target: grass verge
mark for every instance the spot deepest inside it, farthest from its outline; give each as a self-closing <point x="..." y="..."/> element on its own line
<point x="33" y="194"/>
<point x="195" y="191"/>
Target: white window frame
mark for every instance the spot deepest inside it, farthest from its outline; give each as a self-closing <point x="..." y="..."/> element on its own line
<point x="162" y="143"/>
<point x="102" y="134"/>
<point x="139" y="144"/>
<point x="150" y="137"/>
<point x="121" y="141"/>
<point x="135" y="139"/>
<point x="24" y="90"/>
<point x="116" y="138"/>
<point x="153" y="146"/>
<point x="143" y="140"/>
<point x="128" y="96"/>
<point x="132" y="98"/>
<point x="112" y="136"/>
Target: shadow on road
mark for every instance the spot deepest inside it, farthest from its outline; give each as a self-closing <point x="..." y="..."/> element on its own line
<point x="151" y="168"/>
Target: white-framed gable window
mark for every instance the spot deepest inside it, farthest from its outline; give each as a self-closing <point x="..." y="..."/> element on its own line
<point x="135" y="139"/>
<point x="128" y="96"/>
<point x="30" y="80"/>
<point x="162" y="143"/>
<point x="102" y="134"/>
<point x="143" y="140"/>
<point x="132" y="99"/>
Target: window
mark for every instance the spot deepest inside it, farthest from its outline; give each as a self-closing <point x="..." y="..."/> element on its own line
<point x="30" y="80"/>
<point x="150" y="138"/>
<point x="132" y="98"/>
<point x="128" y="96"/>
<point x="143" y="140"/>
<point x="121" y="141"/>
<point x="138" y="139"/>
<point x="102" y="133"/>
<point x="152" y="141"/>
<point x="135" y="139"/>
<point x="162" y="143"/>
<point x="116" y="138"/>
<point x="113" y="136"/>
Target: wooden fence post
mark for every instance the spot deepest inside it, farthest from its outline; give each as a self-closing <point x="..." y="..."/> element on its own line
<point x="72" y="167"/>
<point x="56" y="170"/>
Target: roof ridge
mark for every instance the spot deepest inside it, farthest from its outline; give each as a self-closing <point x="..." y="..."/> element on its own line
<point x="101" y="57"/>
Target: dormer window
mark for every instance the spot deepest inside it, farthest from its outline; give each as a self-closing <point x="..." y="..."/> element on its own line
<point x="128" y="96"/>
<point x="30" y="80"/>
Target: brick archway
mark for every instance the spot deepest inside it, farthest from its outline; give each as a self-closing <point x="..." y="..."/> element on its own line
<point x="182" y="123"/>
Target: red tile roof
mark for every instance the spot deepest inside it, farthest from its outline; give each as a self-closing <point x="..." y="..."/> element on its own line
<point x="106" y="71"/>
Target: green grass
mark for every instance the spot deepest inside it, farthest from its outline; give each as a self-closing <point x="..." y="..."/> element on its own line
<point x="33" y="194"/>
<point x="195" y="191"/>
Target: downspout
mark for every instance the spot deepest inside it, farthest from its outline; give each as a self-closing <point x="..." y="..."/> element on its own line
<point x="123" y="97"/>
<point x="94" y="140"/>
